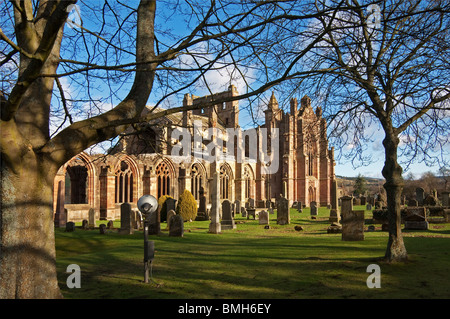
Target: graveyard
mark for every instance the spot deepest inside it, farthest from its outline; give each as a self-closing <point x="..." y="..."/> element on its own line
<point x="255" y="258"/>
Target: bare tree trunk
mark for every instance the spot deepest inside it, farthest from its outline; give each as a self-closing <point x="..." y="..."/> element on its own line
<point x="392" y="172"/>
<point x="27" y="251"/>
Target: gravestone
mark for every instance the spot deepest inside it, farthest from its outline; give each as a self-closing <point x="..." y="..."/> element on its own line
<point x="176" y="226"/>
<point x="214" y="225"/>
<point x="268" y="203"/>
<point x="170" y="204"/>
<point x="202" y="212"/>
<point x="416" y="219"/>
<point x="368" y="207"/>
<point x="445" y="199"/>
<point x="353" y="225"/>
<point x="263" y="218"/>
<point x="251" y="202"/>
<point x="430" y="200"/>
<point x="91" y="218"/>
<point x="270" y="210"/>
<point x="126" y="228"/>
<point x="243" y="212"/>
<point x="335" y="216"/>
<point x="334" y="228"/>
<point x="227" y="216"/>
<point x="110" y="224"/>
<point x="283" y="216"/>
<point x="170" y="213"/>
<point x="237" y="206"/>
<point x="102" y="229"/>
<point x="70" y="226"/>
<point x="251" y="212"/>
<point x="412" y="203"/>
<point x="420" y="195"/>
<point x="313" y="211"/>
<point x="299" y="207"/>
<point x="363" y="200"/>
<point x="346" y="205"/>
<point x="84" y="224"/>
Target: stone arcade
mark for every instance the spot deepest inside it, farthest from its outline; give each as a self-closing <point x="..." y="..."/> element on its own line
<point x="143" y="164"/>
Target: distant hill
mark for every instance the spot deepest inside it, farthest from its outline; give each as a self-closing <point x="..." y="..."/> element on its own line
<point x="374" y="185"/>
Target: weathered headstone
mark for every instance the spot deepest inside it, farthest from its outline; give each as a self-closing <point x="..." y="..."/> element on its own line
<point x="227" y="216"/>
<point x="420" y="195"/>
<point x="430" y="200"/>
<point x="346" y="205"/>
<point x="263" y="218"/>
<point x="363" y="200"/>
<point x="91" y="218"/>
<point x="70" y="226"/>
<point x="170" y="213"/>
<point x="251" y="212"/>
<point x="243" y="212"/>
<point x="154" y="223"/>
<point x="170" y="204"/>
<point x="313" y="211"/>
<point x="214" y="225"/>
<point x="251" y="202"/>
<point x="353" y="225"/>
<point x="445" y="199"/>
<point x="368" y="207"/>
<point x="283" y="216"/>
<point x="102" y="229"/>
<point x="176" y="226"/>
<point x="110" y="224"/>
<point x="202" y="212"/>
<point x="126" y="228"/>
<point x="237" y="206"/>
<point x="334" y="228"/>
<point x="299" y="207"/>
<point x="412" y="203"/>
<point x="416" y="219"/>
<point x="335" y="216"/>
<point x="84" y="224"/>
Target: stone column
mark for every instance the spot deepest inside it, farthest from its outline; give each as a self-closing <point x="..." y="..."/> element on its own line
<point x="335" y="216"/>
<point x="61" y="213"/>
<point x="215" y="226"/>
<point x="346" y="205"/>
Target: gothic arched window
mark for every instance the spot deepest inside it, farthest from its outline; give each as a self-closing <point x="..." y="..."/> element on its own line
<point x="247" y="180"/>
<point x="163" y="178"/>
<point x="124" y="183"/>
<point x="196" y="181"/>
<point x="225" y="183"/>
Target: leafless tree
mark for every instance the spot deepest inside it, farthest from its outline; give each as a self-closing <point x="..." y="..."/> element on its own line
<point x="390" y="73"/>
<point x="66" y="87"/>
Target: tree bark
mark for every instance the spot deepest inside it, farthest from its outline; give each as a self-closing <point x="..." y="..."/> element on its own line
<point x="30" y="160"/>
<point x="27" y="242"/>
<point x="392" y="172"/>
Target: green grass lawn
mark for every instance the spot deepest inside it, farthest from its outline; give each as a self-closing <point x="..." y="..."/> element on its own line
<point x="254" y="263"/>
